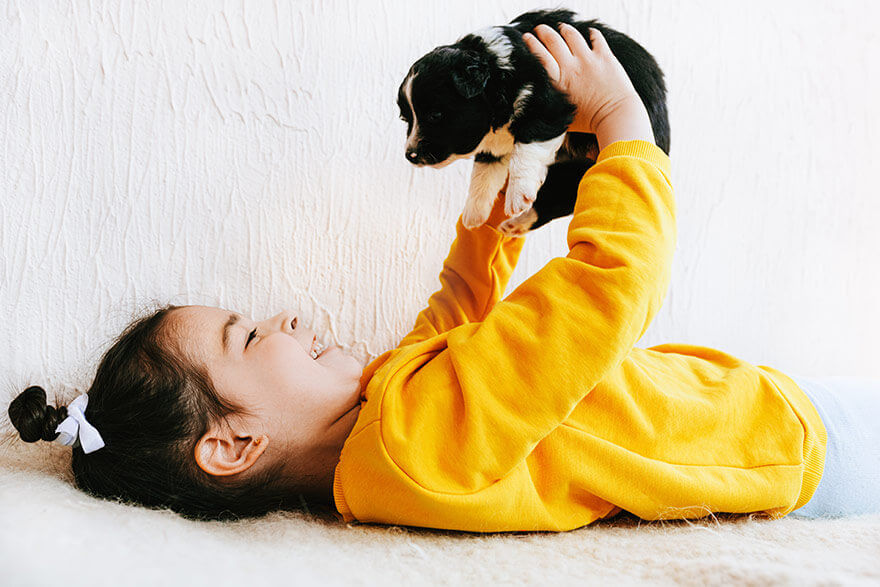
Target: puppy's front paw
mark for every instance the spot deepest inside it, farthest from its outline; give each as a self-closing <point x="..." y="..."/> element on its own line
<point x="476" y="213"/>
<point x="520" y="196"/>
<point x="519" y="225"/>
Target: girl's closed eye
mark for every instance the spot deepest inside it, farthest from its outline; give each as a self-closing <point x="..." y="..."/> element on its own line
<point x="250" y="337"/>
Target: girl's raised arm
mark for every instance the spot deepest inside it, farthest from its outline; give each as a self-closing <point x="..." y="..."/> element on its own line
<point x="473" y="278"/>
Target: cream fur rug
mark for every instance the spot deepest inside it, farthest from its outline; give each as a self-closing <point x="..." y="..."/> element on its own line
<point x="52" y="534"/>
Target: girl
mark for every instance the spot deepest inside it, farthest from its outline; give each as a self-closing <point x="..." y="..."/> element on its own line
<point x="535" y="412"/>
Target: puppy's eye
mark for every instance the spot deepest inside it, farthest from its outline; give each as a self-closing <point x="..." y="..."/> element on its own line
<point x="435" y="116"/>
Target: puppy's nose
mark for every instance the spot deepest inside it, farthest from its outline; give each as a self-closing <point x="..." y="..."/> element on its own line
<point x="412" y="156"/>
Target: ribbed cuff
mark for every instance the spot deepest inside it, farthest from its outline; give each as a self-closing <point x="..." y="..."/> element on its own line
<point x="815" y="434"/>
<point x="339" y="499"/>
<point x="639" y="149"/>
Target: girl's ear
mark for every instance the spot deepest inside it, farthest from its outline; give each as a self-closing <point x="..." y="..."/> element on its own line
<point x="222" y="452"/>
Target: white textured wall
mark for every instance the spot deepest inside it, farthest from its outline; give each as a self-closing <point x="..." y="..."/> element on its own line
<point x="248" y="155"/>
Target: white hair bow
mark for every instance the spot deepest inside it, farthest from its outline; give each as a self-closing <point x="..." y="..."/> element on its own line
<point x="75" y="426"/>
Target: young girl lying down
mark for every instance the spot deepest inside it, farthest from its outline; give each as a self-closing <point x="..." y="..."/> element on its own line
<point x="532" y="412"/>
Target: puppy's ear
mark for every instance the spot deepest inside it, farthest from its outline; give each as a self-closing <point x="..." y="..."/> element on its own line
<point x="470" y="74"/>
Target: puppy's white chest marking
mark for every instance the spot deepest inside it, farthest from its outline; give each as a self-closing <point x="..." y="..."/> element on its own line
<point x="527" y="165"/>
<point x="528" y="169"/>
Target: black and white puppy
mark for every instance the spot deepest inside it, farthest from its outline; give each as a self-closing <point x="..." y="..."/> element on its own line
<point x="488" y="97"/>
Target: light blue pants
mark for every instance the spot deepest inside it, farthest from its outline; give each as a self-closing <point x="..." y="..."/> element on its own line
<point x="850" y="409"/>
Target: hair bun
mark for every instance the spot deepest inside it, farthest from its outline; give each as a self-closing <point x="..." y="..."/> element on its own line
<point x="33" y="418"/>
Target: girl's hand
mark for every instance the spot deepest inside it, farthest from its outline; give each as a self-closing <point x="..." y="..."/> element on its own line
<point x="594" y="80"/>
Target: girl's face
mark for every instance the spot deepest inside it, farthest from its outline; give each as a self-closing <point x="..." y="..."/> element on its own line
<point x="266" y="367"/>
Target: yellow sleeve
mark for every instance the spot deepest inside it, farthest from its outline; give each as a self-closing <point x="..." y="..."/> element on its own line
<point x="480" y="405"/>
<point x="473" y="277"/>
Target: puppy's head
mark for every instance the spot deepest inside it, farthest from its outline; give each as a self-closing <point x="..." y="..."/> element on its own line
<point x="443" y="104"/>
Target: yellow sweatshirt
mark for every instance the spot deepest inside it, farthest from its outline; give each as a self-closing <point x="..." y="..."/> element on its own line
<point x="536" y="412"/>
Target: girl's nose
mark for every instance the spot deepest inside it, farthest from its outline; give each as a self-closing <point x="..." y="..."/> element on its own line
<point x="287" y="321"/>
<point x="284" y="321"/>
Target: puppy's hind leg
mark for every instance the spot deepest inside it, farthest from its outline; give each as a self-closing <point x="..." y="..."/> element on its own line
<point x="487" y="179"/>
<point x="528" y="168"/>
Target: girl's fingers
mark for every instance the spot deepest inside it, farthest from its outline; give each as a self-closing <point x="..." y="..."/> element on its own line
<point x="554" y="43"/>
<point x="575" y="40"/>
<point x="598" y="41"/>
<point x="544" y="56"/>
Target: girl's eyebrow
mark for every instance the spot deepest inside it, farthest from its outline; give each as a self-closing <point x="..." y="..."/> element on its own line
<point x="233" y="318"/>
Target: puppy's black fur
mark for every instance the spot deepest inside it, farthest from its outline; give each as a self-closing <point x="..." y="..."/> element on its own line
<point x="461" y="94"/>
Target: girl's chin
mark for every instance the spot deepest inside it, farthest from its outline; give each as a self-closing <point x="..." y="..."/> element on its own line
<point x="329" y="352"/>
<point x="334" y="355"/>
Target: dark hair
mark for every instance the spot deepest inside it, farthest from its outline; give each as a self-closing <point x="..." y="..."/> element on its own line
<point x="151" y="406"/>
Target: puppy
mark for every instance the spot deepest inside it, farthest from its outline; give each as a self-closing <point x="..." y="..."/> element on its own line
<point x="488" y="97"/>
